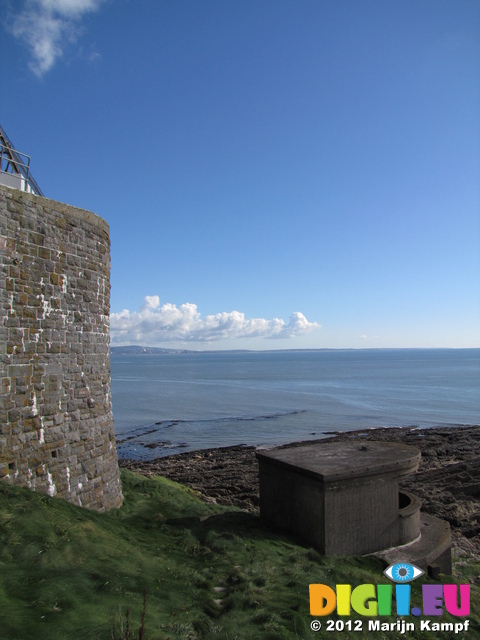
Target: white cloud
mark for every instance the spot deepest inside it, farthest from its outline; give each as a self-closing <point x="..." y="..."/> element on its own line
<point x="155" y="324"/>
<point x="47" y="25"/>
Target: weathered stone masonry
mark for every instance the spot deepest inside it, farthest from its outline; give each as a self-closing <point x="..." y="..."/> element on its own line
<point x="56" y="424"/>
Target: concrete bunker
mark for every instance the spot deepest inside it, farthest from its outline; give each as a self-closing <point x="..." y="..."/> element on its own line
<point x="344" y="498"/>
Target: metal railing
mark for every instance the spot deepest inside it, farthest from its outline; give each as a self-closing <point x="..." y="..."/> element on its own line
<point x="15" y="167"/>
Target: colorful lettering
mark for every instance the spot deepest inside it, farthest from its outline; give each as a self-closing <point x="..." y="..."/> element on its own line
<point x="402" y="594"/>
<point x="363" y="600"/>
<point x="450" y="592"/>
<point x="322" y="599"/>
<point x="344" y="592"/>
<point x="384" y="598"/>
<point x="371" y="600"/>
<point x="432" y="599"/>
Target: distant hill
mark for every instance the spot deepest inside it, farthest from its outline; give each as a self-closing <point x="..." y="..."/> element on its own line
<point x="135" y="350"/>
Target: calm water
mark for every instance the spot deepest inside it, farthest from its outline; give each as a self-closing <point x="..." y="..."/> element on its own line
<point x="165" y="404"/>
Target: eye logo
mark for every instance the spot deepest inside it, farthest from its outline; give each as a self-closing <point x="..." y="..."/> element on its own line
<point x="402" y="572"/>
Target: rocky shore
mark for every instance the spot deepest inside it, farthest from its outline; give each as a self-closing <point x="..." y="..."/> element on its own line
<point x="447" y="481"/>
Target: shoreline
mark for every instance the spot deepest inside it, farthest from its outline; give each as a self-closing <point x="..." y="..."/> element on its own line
<point x="447" y="481"/>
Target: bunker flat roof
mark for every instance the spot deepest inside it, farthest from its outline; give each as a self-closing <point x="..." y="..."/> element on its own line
<point x="345" y="460"/>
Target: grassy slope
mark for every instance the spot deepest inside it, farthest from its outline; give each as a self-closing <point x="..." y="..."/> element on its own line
<point x="67" y="573"/>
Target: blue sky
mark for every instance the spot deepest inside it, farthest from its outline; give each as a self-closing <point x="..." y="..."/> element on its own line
<point x="276" y="174"/>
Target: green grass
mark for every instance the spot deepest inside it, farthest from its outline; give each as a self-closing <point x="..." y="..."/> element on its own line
<point x="68" y="573"/>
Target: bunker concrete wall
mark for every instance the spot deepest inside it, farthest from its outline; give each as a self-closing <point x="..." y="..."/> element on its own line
<point x="56" y="423"/>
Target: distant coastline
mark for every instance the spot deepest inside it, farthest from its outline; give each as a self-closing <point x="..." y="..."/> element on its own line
<point x="136" y="350"/>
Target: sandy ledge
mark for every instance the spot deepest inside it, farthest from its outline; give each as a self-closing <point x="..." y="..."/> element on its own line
<point x="448" y="479"/>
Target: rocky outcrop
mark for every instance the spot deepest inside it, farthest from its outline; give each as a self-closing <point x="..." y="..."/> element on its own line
<point x="448" y="479"/>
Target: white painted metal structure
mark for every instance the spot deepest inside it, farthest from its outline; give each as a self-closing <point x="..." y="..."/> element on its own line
<point x="15" y="167"/>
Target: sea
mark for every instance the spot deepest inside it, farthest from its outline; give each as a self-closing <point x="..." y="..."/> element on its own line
<point x="173" y="402"/>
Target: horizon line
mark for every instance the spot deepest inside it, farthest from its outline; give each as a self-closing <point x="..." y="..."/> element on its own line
<point x="185" y="350"/>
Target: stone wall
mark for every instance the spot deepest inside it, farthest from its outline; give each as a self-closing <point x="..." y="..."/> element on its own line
<point x="56" y="423"/>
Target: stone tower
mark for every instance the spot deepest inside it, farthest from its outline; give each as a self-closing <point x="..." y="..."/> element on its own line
<point x="56" y="424"/>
